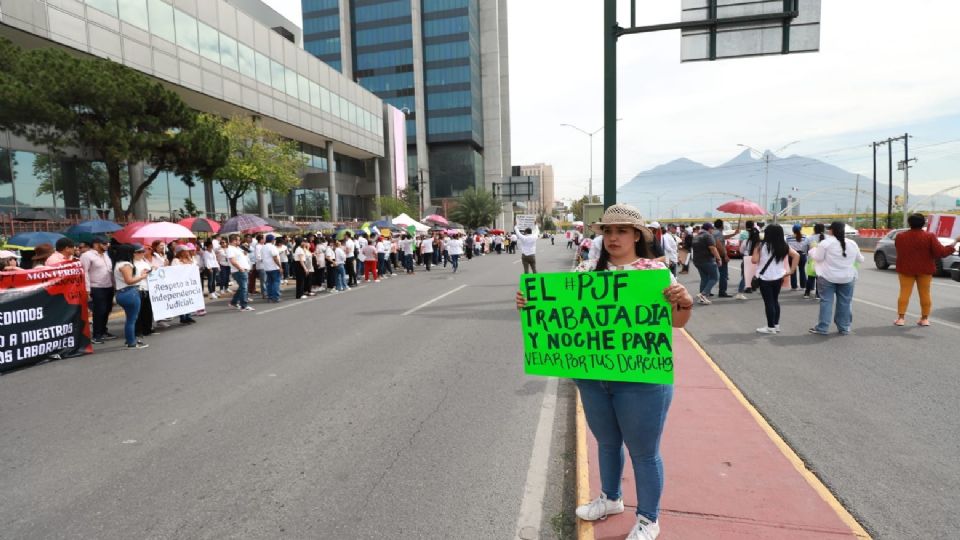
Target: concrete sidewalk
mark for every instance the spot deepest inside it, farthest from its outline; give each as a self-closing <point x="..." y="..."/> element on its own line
<point x="728" y="474"/>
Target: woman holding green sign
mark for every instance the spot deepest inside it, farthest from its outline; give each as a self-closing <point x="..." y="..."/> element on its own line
<point x="628" y="413"/>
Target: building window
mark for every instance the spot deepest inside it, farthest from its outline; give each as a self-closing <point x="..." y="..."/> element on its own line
<point x="276" y="75"/>
<point x="248" y="61"/>
<point x="290" y="77"/>
<point x="314" y="94"/>
<point x="135" y="13"/>
<point x="209" y="43"/>
<point x="382" y="11"/>
<point x="325" y="99"/>
<point x="161" y="20"/>
<point x="106" y="6"/>
<point x="446" y="27"/>
<point x="385" y="34"/>
<point x="314" y="25"/>
<point x="263" y="68"/>
<point x="186" y="31"/>
<point x="317" y="5"/>
<point x="228" y="52"/>
<point x="303" y="86"/>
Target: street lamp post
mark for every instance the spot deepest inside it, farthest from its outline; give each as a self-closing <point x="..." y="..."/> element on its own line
<point x="766" y="175"/>
<point x="589" y="134"/>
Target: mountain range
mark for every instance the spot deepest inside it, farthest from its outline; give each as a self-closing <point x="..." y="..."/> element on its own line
<point x="685" y="188"/>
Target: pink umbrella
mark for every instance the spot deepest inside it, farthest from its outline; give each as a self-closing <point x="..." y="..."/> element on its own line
<point x="742" y="206"/>
<point x="436" y="220"/>
<point x="162" y="230"/>
<point x="259" y="229"/>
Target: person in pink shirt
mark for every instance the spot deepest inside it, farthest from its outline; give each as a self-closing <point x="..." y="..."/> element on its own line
<point x="98" y="271"/>
<point x="63" y="254"/>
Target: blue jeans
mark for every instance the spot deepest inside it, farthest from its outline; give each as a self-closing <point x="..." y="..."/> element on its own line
<point x="631" y="413"/>
<point x="240" y="297"/>
<point x="843" y="317"/>
<point x="455" y="261"/>
<point x="262" y="274"/>
<point x="224" y="277"/>
<point x="709" y="276"/>
<point x="341" y="277"/>
<point x="213" y="275"/>
<point x="273" y="284"/>
<point x="129" y="300"/>
<point x="743" y="283"/>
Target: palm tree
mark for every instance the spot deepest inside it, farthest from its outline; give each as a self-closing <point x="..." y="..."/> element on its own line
<point x="476" y="208"/>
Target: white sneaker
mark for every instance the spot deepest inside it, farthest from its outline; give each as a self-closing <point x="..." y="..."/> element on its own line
<point x="214" y="296"/>
<point x="599" y="508"/>
<point x="701" y="299"/>
<point x="766" y="330"/>
<point x="740" y="296"/>
<point x="376" y="281"/>
<point x="777" y="328"/>
<point x="644" y="530"/>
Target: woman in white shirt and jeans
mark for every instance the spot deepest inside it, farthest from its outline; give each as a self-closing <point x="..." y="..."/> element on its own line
<point x="771" y="273"/>
<point x="836" y="258"/>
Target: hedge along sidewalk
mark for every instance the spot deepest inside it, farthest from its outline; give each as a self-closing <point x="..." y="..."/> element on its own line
<point x="728" y="475"/>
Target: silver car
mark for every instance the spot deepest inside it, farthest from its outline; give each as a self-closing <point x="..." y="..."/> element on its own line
<point x="885" y="254"/>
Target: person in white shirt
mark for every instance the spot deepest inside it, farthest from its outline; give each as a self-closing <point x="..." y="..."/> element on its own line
<point x="455" y="249"/>
<point x="300" y="256"/>
<point x="208" y="261"/>
<point x="224" y="263"/>
<point x="256" y="249"/>
<point x="670" y="250"/>
<point x="596" y="246"/>
<point x="145" y="316"/>
<point x="383" y="259"/>
<point x="513" y="243"/>
<point x="426" y="250"/>
<point x="528" y="250"/>
<point x="362" y="242"/>
<point x="284" y="252"/>
<point x="270" y="266"/>
<point x="770" y="258"/>
<point x="340" y="259"/>
<point x="837" y="258"/>
<point x="406" y="246"/>
<point x="240" y="270"/>
<point x="349" y="247"/>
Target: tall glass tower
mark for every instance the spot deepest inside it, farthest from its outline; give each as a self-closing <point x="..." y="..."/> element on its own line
<point x="427" y="58"/>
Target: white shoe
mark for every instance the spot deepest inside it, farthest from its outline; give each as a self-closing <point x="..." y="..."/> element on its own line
<point x="644" y="530"/>
<point x="376" y="281"/>
<point x="777" y="328"/>
<point x="703" y="300"/>
<point x="766" y="330"/>
<point x="214" y="296"/>
<point x="599" y="508"/>
<point x="740" y="296"/>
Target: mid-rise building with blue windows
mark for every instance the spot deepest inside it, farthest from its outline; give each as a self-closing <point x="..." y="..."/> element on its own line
<point x="225" y="57"/>
<point x="444" y="63"/>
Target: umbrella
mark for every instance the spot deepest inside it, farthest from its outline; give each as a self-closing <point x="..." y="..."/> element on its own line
<point x="35" y="215"/>
<point x="340" y="233"/>
<point x="93" y="226"/>
<point x="242" y="223"/>
<point x="435" y="219"/>
<point x="742" y="206"/>
<point x="30" y="240"/>
<point x="288" y="226"/>
<point x="496" y="231"/>
<point x="162" y="230"/>
<point x="319" y="226"/>
<point x="200" y="224"/>
<point x="124" y="235"/>
<point x="482" y="230"/>
<point x="260" y="229"/>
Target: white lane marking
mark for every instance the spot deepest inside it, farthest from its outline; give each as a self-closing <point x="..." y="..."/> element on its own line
<point x="428" y="302"/>
<point x="294" y="302"/>
<point x="516" y="261"/>
<point x="912" y="315"/>
<point x="531" y="507"/>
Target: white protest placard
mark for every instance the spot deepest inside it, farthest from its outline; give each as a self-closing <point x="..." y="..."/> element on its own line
<point x="944" y="225"/>
<point x="175" y="290"/>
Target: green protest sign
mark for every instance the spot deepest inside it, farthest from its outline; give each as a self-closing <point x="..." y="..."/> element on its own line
<point x="610" y="326"/>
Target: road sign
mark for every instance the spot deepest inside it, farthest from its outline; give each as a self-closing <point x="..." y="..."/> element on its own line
<point x="958" y="203"/>
<point x="754" y="36"/>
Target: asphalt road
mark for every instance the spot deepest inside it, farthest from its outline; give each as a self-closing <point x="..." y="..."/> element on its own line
<point x="342" y="416"/>
<point x="873" y="414"/>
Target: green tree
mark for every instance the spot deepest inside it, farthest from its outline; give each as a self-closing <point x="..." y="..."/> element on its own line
<point x="90" y="178"/>
<point x="476" y="208"/>
<point x="577" y="207"/>
<point x="392" y="206"/>
<point x="60" y="101"/>
<point x="258" y="158"/>
<point x="197" y="150"/>
<point x="411" y="196"/>
<point x="547" y="224"/>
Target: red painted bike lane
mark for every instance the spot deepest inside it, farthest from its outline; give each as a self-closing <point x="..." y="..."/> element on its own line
<point x="728" y="474"/>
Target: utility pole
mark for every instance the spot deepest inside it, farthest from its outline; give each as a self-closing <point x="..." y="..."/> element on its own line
<point x="856" y="194"/>
<point x="889" y="142"/>
<point x="905" y="167"/>
<point x="610" y="35"/>
<point x="874" y="186"/>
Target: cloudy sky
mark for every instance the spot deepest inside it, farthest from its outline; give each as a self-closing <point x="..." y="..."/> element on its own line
<point x="885" y="67"/>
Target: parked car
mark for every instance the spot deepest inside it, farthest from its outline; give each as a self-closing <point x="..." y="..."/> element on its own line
<point x="885" y="255"/>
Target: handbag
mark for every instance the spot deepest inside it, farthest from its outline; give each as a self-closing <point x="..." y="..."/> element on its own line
<point x="755" y="282"/>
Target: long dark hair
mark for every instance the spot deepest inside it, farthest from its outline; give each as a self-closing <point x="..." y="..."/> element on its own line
<point x="642" y="248"/>
<point x="775" y="241"/>
<point x="753" y="239"/>
<point x="819" y="229"/>
<point x="838" y="230"/>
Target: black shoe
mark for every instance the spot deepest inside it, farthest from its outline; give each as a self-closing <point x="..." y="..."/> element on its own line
<point x="97" y="341"/>
<point x="725" y="295"/>
<point x="109" y="337"/>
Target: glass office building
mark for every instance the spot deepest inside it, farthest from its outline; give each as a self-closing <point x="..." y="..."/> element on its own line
<point x="426" y="58"/>
<point x="220" y="59"/>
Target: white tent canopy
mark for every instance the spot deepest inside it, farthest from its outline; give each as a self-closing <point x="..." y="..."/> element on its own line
<point x="403" y="220"/>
